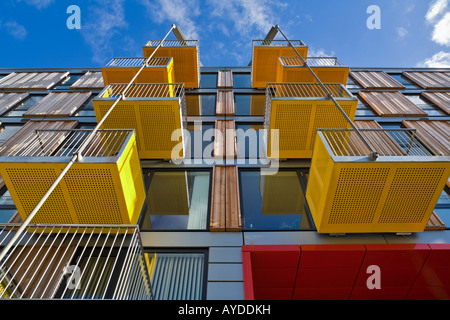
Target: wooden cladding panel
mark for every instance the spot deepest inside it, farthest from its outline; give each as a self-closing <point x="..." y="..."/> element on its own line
<point x="32" y="80"/>
<point x="90" y="80"/>
<point x="429" y="80"/>
<point x="440" y="99"/>
<point x="382" y="142"/>
<point x="9" y="100"/>
<point x="225" y="79"/>
<point x="376" y="80"/>
<point x="58" y="104"/>
<point x="225" y="139"/>
<point x="21" y="136"/>
<point x="225" y="201"/>
<point x="435" y="223"/>
<point x="391" y="104"/>
<point x="225" y="103"/>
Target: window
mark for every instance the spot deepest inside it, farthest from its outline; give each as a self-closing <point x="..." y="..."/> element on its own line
<point x="87" y="110"/>
<point x="249" y="142"/>
<point x="408" y="84"/>
<point x="362" y="110"/>
<point x="274" y="202"/>
<point x="208" y="80"/>
<point x="178" y="275"/>
<point x="65" y="85"/>
<point x="7" y="131"/>
<point x="25" y="106"/>
<point x="201" y="105"/>
<point x="199" y="140"/>
<point x="242" y="80"/>
<point x="250" y="105"/>
<point x="429" y="109"/>
<point x="176" y="200"/>
<point x="352" y="84"/>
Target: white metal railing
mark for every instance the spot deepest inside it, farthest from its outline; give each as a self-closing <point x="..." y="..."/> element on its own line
<point x="74" y="262"/>
<point x="305" y="90"/>
<point x="311" y="61"/>
<point x="145" y="90"/>
<point x="388" y="142"/>
<point x="63" y="143"/>
<point x="173" y="43"/>
<point x="134" y="62"/>
<point x="277" y="43"/>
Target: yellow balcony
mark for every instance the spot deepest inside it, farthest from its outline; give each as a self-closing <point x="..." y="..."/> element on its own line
<point x="106" y="187"/>
<point x="154" y="111"/>
<point x="327" y="69"/>
<point x="122" y="70"/>
<point x="265" y="63"/>
<point x="297" y="111"/>
<point x="348" y="193"/>
<point x="57" y="261"/>
<point x="185" y="54"/>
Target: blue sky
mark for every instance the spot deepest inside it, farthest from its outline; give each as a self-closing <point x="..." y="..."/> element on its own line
<point x="413" y="32"/>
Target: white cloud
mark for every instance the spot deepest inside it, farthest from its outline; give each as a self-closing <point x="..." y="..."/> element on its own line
<point x="438" y="15"/>
<point x="402" y="32"/>
<point x="436" y="9"/>
<point x="15" y="30"/>
<point x="104" y="21"/>
<point x="179" y="12"/>
<point x="319" y="53"/>
<point x="439" y="60"/>
<point x="39" y="4"/>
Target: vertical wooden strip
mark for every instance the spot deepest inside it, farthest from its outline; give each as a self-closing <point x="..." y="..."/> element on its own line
<point x="233" y="211"/>
<point x="217" y="219"/>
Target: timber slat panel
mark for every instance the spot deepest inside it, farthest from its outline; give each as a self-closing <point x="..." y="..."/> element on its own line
<point x="225" y="79"/>
<point x="225" y="202"/>
<point x="32" y="80"/>
<point x="90" y="80"/>
<point x="429" y="80"/>
<point x="225" y="141"/>
<point x="382" y="142"/>
<point x="58" y="104"/>
<point x="440" y="99"/>
<point x="376" y="80"/>
<point x="391" y="104"/>
<point x="9" y="100"/>
<point x="21" y="136"/>
<point x="435" y="223"/>
<point x="225" y="103"/>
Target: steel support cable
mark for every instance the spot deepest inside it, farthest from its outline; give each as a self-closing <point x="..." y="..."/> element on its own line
<point x="77" y="155"/>
<point x="373" y="155"/>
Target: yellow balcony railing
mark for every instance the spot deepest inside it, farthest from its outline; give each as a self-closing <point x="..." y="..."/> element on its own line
<point x="154" y="111"/>
<point x="106" y="187"/>
<point x="297" y="111"/>
<point x="122" y="70"/>
<point x="265" y="63"/>
<point x="327" y="69"/>
<point x="349" y="193"/>
<point x="186" y="62"/>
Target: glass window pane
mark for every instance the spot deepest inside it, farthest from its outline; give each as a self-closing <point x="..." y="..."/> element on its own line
<point x="65" y="85"/>
<point x="208" y="80"/>
<point x="7" y="131"/>
<point x="177" y="200"/>
<point x="199" y="141"/>
<point x="273" y="202"/>
<point x="242" y="80"/>
<point x="403" y="81"/>
<point x="6" y="215"/>
<point x="248" y="141"/>
<point x="444" y="215"/>
<point x="87" y="110"/>
<point x="250" y="105"/>
<point x="6" y="199"/>
<point x="201" y="105"/>
<point x="177" y="276"/>
<point x="25" y="106"/>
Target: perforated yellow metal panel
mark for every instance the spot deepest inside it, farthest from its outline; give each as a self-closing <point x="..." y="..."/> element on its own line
<point x="90" y="193"/>
<point x="265" y="63"/>
<point x="185" y="63"/>
<point x="298" y="121"/>
<point x="381" y="196"/>
<point x="153" y="120"/>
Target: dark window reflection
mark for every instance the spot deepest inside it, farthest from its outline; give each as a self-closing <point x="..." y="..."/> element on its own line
<point x="208" y="80"/>
<point x="201" y="105"/>
<point x="250" y="105"/>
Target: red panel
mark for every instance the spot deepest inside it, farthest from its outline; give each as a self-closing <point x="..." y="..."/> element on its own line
<point x="273" y="278"/>
<point x="390" y="277"/>
<point x="439" y="255"/>
<point x="433" y="277"/>
<point x="283" y="256"/>
<point x="322" y="293"/>
<point x="273" y="293"/>
<point x="248" y="276"/>
<point x="326" y="278"/>
<point x="363" y="293"/>
<point x="395" y="255"/>
<point x="332" y="256"/>
<point x="431" y="293"/>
